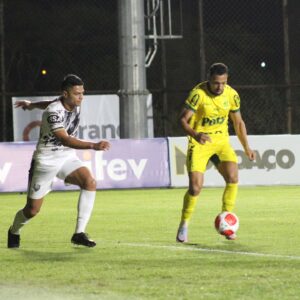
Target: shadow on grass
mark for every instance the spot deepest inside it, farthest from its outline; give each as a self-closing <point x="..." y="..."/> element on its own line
<point x="70" y="255"/>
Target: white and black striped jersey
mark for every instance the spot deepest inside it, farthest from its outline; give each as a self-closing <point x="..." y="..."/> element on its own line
<point x="55" y="117"/>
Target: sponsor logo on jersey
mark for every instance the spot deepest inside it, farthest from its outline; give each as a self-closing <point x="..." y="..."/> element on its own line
<point x="194" y="100"/>
<point x="237" y="100"/>
<point x="53" y="119"/>
<point x="210" y="122"/>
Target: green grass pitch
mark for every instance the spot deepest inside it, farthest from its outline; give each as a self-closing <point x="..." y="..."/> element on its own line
<point x="137" y="256"/>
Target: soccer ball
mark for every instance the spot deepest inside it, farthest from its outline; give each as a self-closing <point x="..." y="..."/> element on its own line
<point x="227" y="223"/>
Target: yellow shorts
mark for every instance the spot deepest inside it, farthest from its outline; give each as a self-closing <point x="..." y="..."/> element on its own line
<point x="198" y="155"/>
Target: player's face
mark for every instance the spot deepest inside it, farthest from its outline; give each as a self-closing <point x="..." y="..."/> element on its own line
<point x="217" y="83"/>
<point x="74" y="96"/>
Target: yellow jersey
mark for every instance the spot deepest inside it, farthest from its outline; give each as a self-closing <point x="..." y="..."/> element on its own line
<point x="211" y="111"/>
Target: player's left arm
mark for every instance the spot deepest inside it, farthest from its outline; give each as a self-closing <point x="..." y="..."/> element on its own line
<point x="241" y="132"/>
<point x="75" y="143"/>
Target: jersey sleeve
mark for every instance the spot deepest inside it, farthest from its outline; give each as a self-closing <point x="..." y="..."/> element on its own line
<point x="54" y="119"/>
<point x="234" y="102"/>
<point x="193" y="100"/>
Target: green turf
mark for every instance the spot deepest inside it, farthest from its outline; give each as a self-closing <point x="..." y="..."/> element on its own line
<point x="137" y="258"/>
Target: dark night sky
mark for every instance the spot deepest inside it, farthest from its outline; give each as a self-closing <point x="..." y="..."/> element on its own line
<point x="81" y="37"/>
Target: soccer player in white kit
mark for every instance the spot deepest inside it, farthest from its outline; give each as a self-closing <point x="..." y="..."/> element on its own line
<point x="55" y="156"/>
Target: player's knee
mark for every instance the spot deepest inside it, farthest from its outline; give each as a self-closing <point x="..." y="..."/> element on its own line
<point x="232" y="178"/>
<point x="89" y="184"/>
<point x="30" y="211"/>
<point x="194" y="190"/>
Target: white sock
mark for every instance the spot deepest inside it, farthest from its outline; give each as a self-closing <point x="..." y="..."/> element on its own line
<point x="84" y="209"/>
<point x="19" y="221"/>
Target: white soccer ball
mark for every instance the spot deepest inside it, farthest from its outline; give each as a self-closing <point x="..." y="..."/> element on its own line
<point x="227" y="223"/>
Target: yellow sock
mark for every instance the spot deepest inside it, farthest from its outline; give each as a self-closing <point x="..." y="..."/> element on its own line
<point x="189" y="203"/>
<point x="229" y="196"/>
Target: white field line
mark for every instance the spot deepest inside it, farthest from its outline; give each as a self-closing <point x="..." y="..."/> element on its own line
<point x="206" y="250"/>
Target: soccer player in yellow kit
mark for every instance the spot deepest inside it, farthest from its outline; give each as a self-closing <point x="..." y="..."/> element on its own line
<point x="205" y="119"/>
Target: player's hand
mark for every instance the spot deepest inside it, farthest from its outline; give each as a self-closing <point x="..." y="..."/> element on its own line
<point x="202" y="138"/>
<point x="250" y="154"/>
<point x="24" y="104"/>
<point x="101" y="146"/>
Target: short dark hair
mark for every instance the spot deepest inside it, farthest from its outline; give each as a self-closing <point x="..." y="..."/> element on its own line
<point x="217" y="69"/>
<point x="69" y="81"/>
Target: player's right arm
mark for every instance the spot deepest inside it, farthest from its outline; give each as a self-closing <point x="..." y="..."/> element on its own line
<point x="191" y="105"/>
<point x="29" y="105"/>
<point x="184" y="118"/>
<point x="75" y="143"/>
